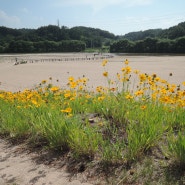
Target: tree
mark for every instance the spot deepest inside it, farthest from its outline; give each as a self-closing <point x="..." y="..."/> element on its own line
<point x="180" y="45"/>
<point x="163" y="46"/>
<point x="20" y="47"/>
<point x="149" y="45"/>
<point x="50" y="32"/>
<point x="122" y="46"/>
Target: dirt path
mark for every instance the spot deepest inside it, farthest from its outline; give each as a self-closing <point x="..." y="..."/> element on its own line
<point x="18" y="167"/>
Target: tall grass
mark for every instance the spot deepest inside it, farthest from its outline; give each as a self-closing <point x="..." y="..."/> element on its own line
<point x="115" y="124"/>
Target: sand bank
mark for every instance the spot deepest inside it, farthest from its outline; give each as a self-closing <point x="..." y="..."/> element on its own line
<point x="38" y="68"/>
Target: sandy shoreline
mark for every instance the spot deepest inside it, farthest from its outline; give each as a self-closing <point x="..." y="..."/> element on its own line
<point x="18" y="77"/>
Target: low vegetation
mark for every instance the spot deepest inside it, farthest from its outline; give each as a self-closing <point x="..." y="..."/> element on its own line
<point x="132" y="129"/>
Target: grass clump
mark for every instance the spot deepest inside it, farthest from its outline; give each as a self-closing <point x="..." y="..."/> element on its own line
<point x="177" y="147"/>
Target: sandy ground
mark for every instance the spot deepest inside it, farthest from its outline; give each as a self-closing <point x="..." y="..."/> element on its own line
<point x="20" y="168"/>
<point x="18" y="77"/>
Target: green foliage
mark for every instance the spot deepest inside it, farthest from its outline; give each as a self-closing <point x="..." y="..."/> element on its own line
<point x="52" y="38"/>
<point x="177" y="146"/>
<point x="149" y="45"/>
<point x="116" y="126"/>
<point x="152" y="41"/>
<point x="84" y="141"/>
<point x="141" y="35"/>
<point x="142" y="135"/>
<point x="113" y="153"/>
<point x="171" y="33"/>
<point x="52" y="127"/>
<point x="16" y="127"/>
<point x="45" y="46"/>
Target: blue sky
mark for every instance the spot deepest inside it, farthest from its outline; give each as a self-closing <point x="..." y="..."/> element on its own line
<point x="116" y="16"/>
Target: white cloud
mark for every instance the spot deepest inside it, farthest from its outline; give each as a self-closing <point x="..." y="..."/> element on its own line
<point x="7" y="20"/>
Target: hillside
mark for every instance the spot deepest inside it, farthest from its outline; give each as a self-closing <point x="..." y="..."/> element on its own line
<point x="141" y="35"/>
<point x="53" y="38"/>
<point x="170" y="40"/>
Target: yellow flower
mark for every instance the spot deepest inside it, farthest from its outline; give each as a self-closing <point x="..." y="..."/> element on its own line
<point x="136" y="71"/>
<point x="113" y="89"/>
<point x="165" y="99"/>
<point x="69" y="115"/>
<point x="105" y="74"/>
<point x="123" y="69"/>
<point x="54" y="89"/>
<point x="88" y="96"/>
<point x="127" y="69"/>
<point x="143" y="107"/>
<point x="35" y="103"/>
<point x="101" y="98"/>
<point x="1" y="96"/>
<point x="157" y="79"/>
<point x="126" y="62"/>
<point x="118" y="76"/>
<point x="73" y="84"/>
<point x="84" y="81"/>
<point x="163" y="91"/>
<point x="80" y="88"/>
<point x="163" y="81"/>
<point x="99" y="89"/>
<point x="72" y="98"/>
<point x="104" y="63"/>
<point x="71" y="78"/>
<point x="43" y="81"/>
<point x="129" y="97"/>
<point x="142" y="77"/>
<point x="138" y="93"/>
<point x="67" y="110"/>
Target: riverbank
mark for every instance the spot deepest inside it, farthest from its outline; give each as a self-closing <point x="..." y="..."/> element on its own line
<point x="28" y="75"/>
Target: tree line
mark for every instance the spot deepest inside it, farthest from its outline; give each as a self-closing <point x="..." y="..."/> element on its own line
<point x="170" y="40"/>
<point x="173" y="32"/>
<point x="53" y="38"/>
<point x="149" y="45"/>
<point x="22" y="46"/>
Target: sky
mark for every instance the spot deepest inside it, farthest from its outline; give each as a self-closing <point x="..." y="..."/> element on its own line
<point x="116" y="16"/>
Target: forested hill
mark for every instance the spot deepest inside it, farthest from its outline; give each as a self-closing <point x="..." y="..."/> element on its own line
<point x="171" y="33"/>
<point x="170" y="40"/>
<point x="53" y="38"/>
<point x="141" y="35"/>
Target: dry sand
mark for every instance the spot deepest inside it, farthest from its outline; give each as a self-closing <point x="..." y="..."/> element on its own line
<point x="20" y="168"/>
<point x="18" y="77"/>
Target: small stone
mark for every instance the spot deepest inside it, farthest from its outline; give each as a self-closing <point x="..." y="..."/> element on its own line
<point x="91" y="121"/>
